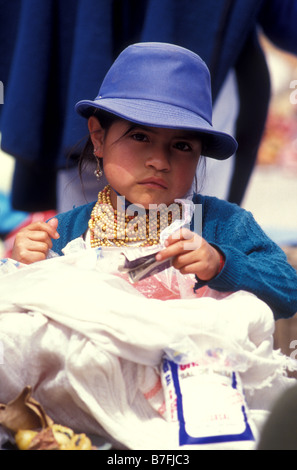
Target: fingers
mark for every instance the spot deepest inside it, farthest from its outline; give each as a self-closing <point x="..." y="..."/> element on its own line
<point x="179" y="243"/>
<point x="191" y="254"/>
<point x="33" y="242"/>
<point x="49" y="227"/>
<point x="54" y="224"/>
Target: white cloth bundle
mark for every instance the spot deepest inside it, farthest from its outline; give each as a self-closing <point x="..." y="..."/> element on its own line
<point x="91" y="347"/>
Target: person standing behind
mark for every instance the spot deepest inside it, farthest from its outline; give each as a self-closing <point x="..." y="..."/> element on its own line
<point x="46" y="73"/>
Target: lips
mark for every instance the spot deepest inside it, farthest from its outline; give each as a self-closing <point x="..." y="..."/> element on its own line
<point x="152" y="182"/>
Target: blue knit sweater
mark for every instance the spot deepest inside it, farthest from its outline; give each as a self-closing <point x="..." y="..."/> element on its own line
<point x="253" y="262"/>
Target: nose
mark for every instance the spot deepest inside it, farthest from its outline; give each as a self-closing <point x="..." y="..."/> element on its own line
<point x="159" y="159"/>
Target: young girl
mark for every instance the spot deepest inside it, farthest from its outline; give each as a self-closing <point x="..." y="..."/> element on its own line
<point x="148" y="126"/>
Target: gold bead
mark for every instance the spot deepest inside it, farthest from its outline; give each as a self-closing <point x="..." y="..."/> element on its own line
<point x="116" y="228"/>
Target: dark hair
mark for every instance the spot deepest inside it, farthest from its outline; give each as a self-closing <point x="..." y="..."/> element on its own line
<point x="87" y="157"/>
<point x="198" y="184"/>
<point x="106" y="120"/>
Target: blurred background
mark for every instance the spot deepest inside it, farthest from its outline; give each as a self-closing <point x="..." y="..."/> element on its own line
<point x="272" y="192"/>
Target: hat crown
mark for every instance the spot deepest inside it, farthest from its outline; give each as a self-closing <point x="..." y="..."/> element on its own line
<point x="161" y="85"/>
<point x="162" y="73"/>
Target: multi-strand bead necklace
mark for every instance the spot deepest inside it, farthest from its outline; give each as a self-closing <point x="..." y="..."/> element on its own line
<point x="109" y="227"/>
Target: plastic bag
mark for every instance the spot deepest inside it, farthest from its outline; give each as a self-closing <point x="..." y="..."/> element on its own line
<point x="138" y="265"/>
<point x="8" y="265"/>
<point x="141" y="262"/>
<point x="205" y="399"/>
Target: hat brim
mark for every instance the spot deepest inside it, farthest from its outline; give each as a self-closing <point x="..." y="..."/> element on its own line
<point x="216" y="144"/>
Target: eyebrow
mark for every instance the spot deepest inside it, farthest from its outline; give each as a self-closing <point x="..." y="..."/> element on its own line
<point x="185" y="134"/>
<point x="190" y="135"/>
<point x="140" y="126"/>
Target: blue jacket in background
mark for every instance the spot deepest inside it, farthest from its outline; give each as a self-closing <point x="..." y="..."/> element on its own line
<point x="54" y="53"/>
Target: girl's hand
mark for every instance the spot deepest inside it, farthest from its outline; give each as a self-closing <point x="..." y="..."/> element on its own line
<point x="191" y="255"/>
<point x="33" y="242"/>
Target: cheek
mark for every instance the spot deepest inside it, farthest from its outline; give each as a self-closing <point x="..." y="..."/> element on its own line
<point x="118" y="166"/>
<point x="187" y="170"/>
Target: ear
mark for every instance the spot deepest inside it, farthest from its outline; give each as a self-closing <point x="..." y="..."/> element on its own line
<point x="97" y="133"/>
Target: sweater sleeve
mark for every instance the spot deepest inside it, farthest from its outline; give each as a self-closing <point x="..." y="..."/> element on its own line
<point x="71" y="225"/>
<point x="253" y="262"/>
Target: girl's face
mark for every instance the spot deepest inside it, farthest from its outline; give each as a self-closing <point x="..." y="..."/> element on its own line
<point x="147" y="165"/>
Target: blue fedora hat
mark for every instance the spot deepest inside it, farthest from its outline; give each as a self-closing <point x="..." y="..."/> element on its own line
<point x="162" y="85"/>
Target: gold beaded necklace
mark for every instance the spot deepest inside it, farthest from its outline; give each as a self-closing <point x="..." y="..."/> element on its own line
<point x="109" y="227"/>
